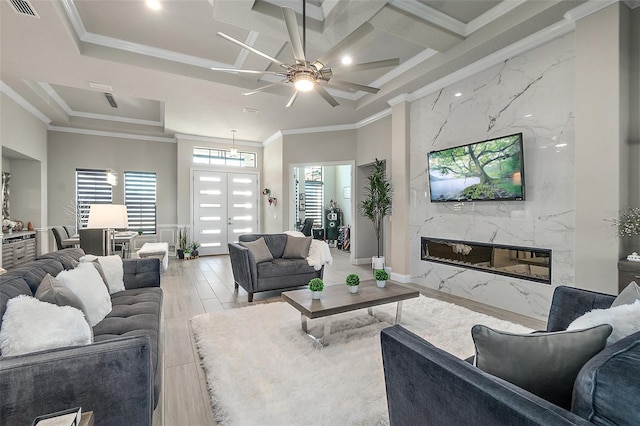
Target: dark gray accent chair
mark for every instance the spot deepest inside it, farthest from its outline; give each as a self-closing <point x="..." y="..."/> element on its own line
<point x="306" y="227"/>
<point x="60" y="234"/>
<point x="428" y="386"/>
<point x="118" y="377"/>
<point x="278" y="274"/>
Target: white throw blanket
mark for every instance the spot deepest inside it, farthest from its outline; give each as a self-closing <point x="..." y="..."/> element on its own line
<point x="319" y="253"/>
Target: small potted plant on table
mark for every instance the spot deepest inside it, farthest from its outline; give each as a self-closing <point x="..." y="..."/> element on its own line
<point x="316" y="285"/>
<point x="353" y="282"/>
<point x="381" y="276"/>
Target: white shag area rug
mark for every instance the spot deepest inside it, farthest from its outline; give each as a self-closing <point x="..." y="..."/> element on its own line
<point x="263" y="370"/>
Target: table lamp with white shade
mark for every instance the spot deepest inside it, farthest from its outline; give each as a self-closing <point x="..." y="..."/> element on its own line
<point x="108" y="216"/>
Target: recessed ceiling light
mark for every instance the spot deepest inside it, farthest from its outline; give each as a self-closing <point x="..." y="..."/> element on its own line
<point x="249" y="110"/>
<point x="346" y="60"/>
<point x="560" y="144"/>
<point x="154" y="4"/>
<point x="457" y="95"/>
<point x="528" y="115"/>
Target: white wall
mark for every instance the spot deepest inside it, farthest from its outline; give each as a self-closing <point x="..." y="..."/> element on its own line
<point x="494" y="103"/>
<point x="276" y="178"/>
<point x="22" y="133"/>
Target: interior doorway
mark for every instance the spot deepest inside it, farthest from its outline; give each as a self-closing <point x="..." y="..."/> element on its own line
<point x="324" y="193"/>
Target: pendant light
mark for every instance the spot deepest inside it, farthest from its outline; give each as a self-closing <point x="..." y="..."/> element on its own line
<point x="233" y="153"/>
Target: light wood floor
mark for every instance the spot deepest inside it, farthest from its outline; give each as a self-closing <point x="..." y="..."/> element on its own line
<point x="193" y="287"/>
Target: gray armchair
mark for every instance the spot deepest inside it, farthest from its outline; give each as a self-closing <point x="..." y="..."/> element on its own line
<point x="426" y="385"/>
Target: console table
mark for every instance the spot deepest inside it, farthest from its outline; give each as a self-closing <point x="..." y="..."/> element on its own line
<point x="18" y="248"/>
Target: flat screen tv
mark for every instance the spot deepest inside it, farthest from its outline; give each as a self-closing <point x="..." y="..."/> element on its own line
<point x="491" y="170"/>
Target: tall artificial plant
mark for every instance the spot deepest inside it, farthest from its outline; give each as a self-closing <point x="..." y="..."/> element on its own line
<point x="377" y="198"/>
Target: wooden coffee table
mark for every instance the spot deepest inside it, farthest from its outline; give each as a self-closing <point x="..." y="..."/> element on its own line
<point x="336" y="299"/>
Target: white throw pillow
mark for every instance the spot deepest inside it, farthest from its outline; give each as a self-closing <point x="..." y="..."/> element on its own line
<point x="30" y="325"/>
<point x="86" y="283"/>
<point x="112" y="268"/>
<point x="625" y="320"/>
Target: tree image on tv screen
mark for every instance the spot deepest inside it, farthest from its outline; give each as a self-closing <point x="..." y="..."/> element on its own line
<point x="482" y="171"/>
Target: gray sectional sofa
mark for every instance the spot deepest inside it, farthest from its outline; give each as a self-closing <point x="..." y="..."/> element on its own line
<point x="279" y="273"/>
<point x="118" y="377"/>
<point x="426" y="385"/>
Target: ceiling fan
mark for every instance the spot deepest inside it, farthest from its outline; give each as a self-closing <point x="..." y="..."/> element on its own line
<point x="306" y="75"/>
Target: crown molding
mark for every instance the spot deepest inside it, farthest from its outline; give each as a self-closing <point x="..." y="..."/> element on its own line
<point x="404" y="97"/>
<point x="586" y="9"/>
<point x="431" y="15"/>
<point x="543" y="36"/>
<point x="4" y="88"/>
<point x="110" y="134"/>
<point x="272" y="138"/>
<point x="225" y="141"/>
<point x="94" y="116"/>
<point x="491" y="15"/>
<point x="321" y="129"/>
<point x="362" y="123"/>
<point x="372" y="118"/>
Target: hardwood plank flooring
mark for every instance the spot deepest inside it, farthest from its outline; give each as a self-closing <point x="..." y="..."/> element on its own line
<point x="205" y="284"/>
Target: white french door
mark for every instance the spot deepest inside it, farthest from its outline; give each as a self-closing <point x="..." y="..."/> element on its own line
<point x="225" y="205"/>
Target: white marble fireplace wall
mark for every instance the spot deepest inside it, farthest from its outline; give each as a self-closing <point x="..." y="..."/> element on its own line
<point x="532" y="93"/>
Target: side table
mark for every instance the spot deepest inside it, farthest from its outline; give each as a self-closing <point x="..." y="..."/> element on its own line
<point x="627" y="271"/>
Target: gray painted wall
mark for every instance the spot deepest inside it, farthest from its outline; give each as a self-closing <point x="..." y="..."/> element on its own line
<point x="68" y="151"/>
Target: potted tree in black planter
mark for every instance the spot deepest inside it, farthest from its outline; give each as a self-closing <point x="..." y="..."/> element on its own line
<point x="183" y="237"/>
<point x="376" y="204"/>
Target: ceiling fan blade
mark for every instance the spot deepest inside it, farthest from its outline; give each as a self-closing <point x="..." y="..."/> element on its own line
<point x="341" y="84"/>
<point x="232" y="70"/>
<point x="294" y="35"/>
<point x="251" y="49"/>
<point x="292" y="99"/>
<point x="349" y="40"/>
<point x="366" y="66"/>
<point x="327" y="97"/>
<point x="263" y="88"/>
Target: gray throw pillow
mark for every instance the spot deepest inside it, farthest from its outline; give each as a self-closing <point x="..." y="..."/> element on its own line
<point x="629" y="295"/>
<point x="297" y="247"/>
<point x="545" y="364"/>
<point x="259" y="249"/>
<point x="53" y="291"/>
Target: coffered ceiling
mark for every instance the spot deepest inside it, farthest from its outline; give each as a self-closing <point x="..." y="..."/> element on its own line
<point x="156" y="63"/>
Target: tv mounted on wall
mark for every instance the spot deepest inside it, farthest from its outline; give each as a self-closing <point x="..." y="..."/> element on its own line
<point x="491" y="170"/>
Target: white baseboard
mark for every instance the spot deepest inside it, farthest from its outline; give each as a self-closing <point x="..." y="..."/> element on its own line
<point x="400" y="277"/>
<point x="365" y="261"/>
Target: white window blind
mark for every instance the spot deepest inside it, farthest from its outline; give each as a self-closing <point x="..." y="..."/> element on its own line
<point x="140" y="198"/>
<point x="91" y="188"/>
<point x="314" y="194"/>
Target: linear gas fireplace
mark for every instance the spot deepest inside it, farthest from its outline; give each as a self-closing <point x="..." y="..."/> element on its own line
<point x="527" y="263"/>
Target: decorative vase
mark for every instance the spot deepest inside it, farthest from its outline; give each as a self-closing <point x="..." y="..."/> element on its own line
<point x="381" y="284"/>
<point x="195" y="253"/>
<point x="180" y="254"/>
<point x="353" y="288"/>
<point x="29" y="226"/>
<point x="315" y="295"/>
<point x="377" y="262"/>
<point x="10" y="231"/>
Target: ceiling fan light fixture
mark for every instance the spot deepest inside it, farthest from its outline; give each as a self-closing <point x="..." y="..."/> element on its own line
<point x="346" y="60"/>
<point x="303" y="81"/>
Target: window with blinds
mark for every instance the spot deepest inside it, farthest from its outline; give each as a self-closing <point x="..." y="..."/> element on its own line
<point x="91" y="188"/>
<point x="140" y="198"/>
<point x="314" y="194"/>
